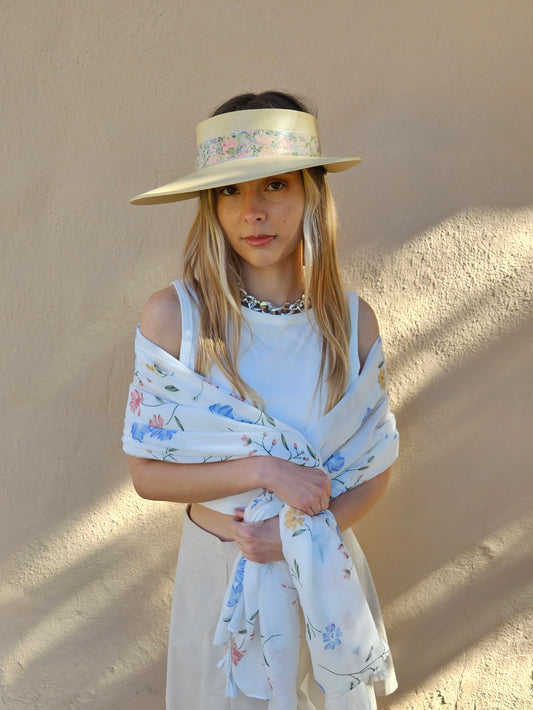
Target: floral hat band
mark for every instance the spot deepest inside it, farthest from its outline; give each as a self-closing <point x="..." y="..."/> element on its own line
<point x="248" y="145"/>
<point x="254" y="143"/>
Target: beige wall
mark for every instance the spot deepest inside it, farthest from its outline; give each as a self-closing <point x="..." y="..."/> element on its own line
<point x="99" y="102"/>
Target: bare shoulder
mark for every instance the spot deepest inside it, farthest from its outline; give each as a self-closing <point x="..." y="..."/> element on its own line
<point x="161" y="320"/>
<point x="367" y="330"/>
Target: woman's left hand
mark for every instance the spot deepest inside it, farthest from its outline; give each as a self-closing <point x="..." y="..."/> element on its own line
<point x="258" y="542"/>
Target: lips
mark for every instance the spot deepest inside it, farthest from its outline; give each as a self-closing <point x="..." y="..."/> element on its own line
<point x="259" y="240"/>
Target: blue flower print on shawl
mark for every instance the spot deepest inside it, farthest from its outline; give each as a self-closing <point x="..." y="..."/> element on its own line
<point x="334" y="463"/>
<point x="236" y="588"/>
<point x="226" y="411"/>
<point x="139" y="431"/>
<point x="331" y="637"/>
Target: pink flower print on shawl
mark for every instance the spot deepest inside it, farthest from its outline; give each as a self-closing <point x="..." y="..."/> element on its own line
<point x="136" y="400"/>
<point x="156" y="422"/>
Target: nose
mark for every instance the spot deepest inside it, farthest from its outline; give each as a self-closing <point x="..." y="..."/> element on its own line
<point x="253" y="209"/>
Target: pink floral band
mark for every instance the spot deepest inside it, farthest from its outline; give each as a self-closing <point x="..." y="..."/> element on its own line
<point x="255" y="143"/>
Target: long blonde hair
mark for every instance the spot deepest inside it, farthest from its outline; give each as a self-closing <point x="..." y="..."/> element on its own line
<point x="211" y="272"/>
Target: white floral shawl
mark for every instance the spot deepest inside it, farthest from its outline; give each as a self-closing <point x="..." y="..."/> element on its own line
<point x="175" y="414"/>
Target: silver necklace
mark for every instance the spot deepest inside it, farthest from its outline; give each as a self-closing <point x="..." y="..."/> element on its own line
<point x="254" y="304"/>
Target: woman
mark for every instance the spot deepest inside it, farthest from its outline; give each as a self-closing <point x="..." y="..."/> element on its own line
<point x="258" y="349"/>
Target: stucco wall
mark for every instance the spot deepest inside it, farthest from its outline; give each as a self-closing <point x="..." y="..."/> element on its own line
<point x="99" y="102"/>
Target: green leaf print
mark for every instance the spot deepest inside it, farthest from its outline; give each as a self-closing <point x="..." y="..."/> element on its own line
<point x="312" y="630"/>
<point x="171" y="388"/>
<point x="169" y="451"/>
<point x="263" y="647"/>
<point x="311" y="453"/>
<point x="269" y="419"/>
<point x="284" y="442"/>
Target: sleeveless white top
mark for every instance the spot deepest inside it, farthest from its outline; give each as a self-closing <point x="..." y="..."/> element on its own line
<point x="279" y="357"/>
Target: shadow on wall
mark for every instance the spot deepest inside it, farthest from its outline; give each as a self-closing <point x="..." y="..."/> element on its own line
<point x="89" y="603"/>
<point x="454" y="549"/>
<point x="458" y="573"/>
<point x="95" y="614"/>
<point x="437" y="152"/>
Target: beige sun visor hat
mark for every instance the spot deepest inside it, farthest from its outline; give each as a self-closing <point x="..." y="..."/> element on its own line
<point x="247" y="145"/>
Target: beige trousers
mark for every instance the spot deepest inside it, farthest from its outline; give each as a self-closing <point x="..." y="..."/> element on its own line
<point x="193" y="680"/>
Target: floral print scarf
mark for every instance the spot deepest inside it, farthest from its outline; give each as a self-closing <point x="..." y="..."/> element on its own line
<point x="174" y="414"/>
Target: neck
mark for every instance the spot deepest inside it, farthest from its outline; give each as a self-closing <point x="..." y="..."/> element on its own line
<point x="279" y="287"/>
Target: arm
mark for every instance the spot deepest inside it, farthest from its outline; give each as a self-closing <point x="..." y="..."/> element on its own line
<point x="351" y="506"/>
<point x="308" y="490"/>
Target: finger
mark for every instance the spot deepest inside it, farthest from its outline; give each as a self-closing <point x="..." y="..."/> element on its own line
<point x="321" y="505"/>
<point x="315" y="509"/>
<point x="239" y="513"/>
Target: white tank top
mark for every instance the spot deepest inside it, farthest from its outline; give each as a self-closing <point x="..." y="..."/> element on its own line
<point x="279" y="357"/>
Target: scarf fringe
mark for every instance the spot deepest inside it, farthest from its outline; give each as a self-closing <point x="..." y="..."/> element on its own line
<point x="232" y="690"/>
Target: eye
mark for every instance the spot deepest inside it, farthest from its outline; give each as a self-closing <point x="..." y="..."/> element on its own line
<point x="276" y="185"/>
<point x="228" y="190"/>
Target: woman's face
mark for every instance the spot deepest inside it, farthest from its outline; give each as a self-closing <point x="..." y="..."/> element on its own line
<point x="262" y="219"/>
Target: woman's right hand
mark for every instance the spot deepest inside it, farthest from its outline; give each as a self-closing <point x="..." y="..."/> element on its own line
<point x="302" y="487"/>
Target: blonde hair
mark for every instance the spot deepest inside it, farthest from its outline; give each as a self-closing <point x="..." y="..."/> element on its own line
<point x="211" y="272"/>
